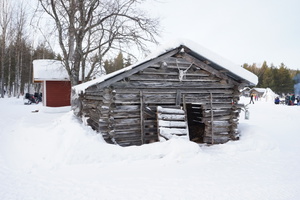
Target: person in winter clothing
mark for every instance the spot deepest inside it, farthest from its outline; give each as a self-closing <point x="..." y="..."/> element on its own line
<point x="287" y="99"/>
<point x="293" y="99"/>
<point x="251" y="99"/>
<point x="277" y="101"/>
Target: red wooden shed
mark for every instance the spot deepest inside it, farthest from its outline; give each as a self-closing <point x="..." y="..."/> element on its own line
<point x="56" y="86"/>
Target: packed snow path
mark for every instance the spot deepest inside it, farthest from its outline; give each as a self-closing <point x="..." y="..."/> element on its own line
<point x="50" y="155"/>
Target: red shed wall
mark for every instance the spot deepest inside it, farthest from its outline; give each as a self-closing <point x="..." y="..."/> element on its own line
<point x="58" y="93"/>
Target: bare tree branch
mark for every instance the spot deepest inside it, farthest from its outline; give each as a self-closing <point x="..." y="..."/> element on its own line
<point x="87" y="28"/>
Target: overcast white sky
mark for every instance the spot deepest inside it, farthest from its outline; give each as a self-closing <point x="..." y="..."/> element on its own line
<point x="250" y="31"/>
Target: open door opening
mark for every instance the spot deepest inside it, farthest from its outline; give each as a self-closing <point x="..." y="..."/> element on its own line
<point x="194" y="118"/>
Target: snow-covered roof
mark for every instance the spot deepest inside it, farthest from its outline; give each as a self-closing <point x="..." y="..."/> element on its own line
<point x="47" y="69"/>
<point x="261" y="90"/>
<point x="197" y="50"/>
<point x="54" y="70"/>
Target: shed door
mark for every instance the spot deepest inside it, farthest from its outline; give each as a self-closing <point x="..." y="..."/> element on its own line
<point x="58" y="93"/>
<point x="172" y="123"/>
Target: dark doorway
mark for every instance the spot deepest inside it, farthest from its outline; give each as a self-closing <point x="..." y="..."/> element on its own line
<point x="196" y="127"/>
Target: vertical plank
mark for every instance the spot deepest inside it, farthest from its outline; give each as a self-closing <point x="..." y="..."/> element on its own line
<point x="186" y="118"/>
<point x="142" y="117"/>
<point x="178" y="97"/>
<point x="212" y="119"/>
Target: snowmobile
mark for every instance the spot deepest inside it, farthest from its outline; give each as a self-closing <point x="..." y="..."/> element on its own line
<point x="38" y="96"/>
<point x="30" y="98"/>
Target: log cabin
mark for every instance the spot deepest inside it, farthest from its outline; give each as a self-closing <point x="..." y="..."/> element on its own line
<point x="181" y="90"/>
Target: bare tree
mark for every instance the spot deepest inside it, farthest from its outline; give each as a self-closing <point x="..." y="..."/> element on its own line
<point x="89" y="28"/>
<point x="19" y="41"/>
<point x="5" y="19"/>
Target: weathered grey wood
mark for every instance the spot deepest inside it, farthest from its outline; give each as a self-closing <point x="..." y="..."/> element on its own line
<point x="185" y="115"/>
<point x="136" y="69"/>
<point x="142" y="117"/>
<point x="158" y="84"/>
<point x="212" y="118"/>
<point x="171" y="122"/>
<point x="208" y="68"/>
<point x="178" y="97"/>
<point x="125" y="108"/>
<point x="173" y="131"/>
<point x="176" y="124"/>
<point x="169" y="117"/>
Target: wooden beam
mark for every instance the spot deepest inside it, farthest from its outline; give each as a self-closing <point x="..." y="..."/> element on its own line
<point x="212" y="119"/>
<point x="178" y="97"/>
<point x="208" y="68"/>
<point x="142" y="117"/>
<point x="137" y="68"/>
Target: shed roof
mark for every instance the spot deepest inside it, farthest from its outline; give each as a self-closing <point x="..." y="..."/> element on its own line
<point x="234" y="71"/>
<point x="54" y="70"/>
<point x="47" y="69"/>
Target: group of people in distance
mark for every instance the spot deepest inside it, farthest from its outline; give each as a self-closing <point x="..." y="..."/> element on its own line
<point x="290" y="100"/>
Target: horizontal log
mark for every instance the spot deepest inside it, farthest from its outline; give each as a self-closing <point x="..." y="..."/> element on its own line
<point x="216" y="140"/>
<point x="171" y="124"/>
<point x="132" y="129"/>
<point x="127" y="96"/>
<point x="173" y="131"/>
<point x="171" y="117"/>
<point x="216" y="113"/>
<point x="173" y="78"/>
<point x="127" y="135"/>
<point x="163" y="84"/>
<point x="155" y="91"/>
<point x="126" y="108"/>
<point x="219" y="130"/>
<point x="172" y="73"/>
<point x="217" y="118"/>
<point x="127" y="121"/>
<point x="125" y="115"/>
<point x="207" y="107"/>
<point x="207" y="101"/>
<point x="221" y="123"/>
<point x="169" y="110"/>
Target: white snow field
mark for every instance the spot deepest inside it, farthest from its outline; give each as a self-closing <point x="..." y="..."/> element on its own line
<point x="50" y="155"/>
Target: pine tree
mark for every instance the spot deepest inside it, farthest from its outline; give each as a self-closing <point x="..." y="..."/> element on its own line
<point x="267" y="81"/>
<point x="284" y="81"/>
<point x="261" y="74"/>
<point x="127" y="61"/>
<point x="119" y="62"/>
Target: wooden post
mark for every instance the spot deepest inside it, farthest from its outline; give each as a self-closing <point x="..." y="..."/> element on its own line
<point x="178" y="97"/>
<point x="212" y="119"/>
<point x="186" y="118"/>
<point x="142" y="117"/>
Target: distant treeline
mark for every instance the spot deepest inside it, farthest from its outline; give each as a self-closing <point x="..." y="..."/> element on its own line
<point x="111" y="65"/>
<point x="280" y="79"/>
<point x="16" y="60"/>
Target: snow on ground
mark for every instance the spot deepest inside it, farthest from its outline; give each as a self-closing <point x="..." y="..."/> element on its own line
<point x="50" y="155"/>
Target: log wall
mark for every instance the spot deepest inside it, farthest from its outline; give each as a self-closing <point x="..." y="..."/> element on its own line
<point x="125" y="112"/>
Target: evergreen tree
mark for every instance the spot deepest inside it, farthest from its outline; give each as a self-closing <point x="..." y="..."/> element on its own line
<point x="267" y="81"/>
<point x="42" y="52"/>
<point x="116" y="64"/>
<point x="128" y="61"/>
<point x="261" y="74"/>
<point x="284" y="82"/>
<point x="119" y="62"/>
